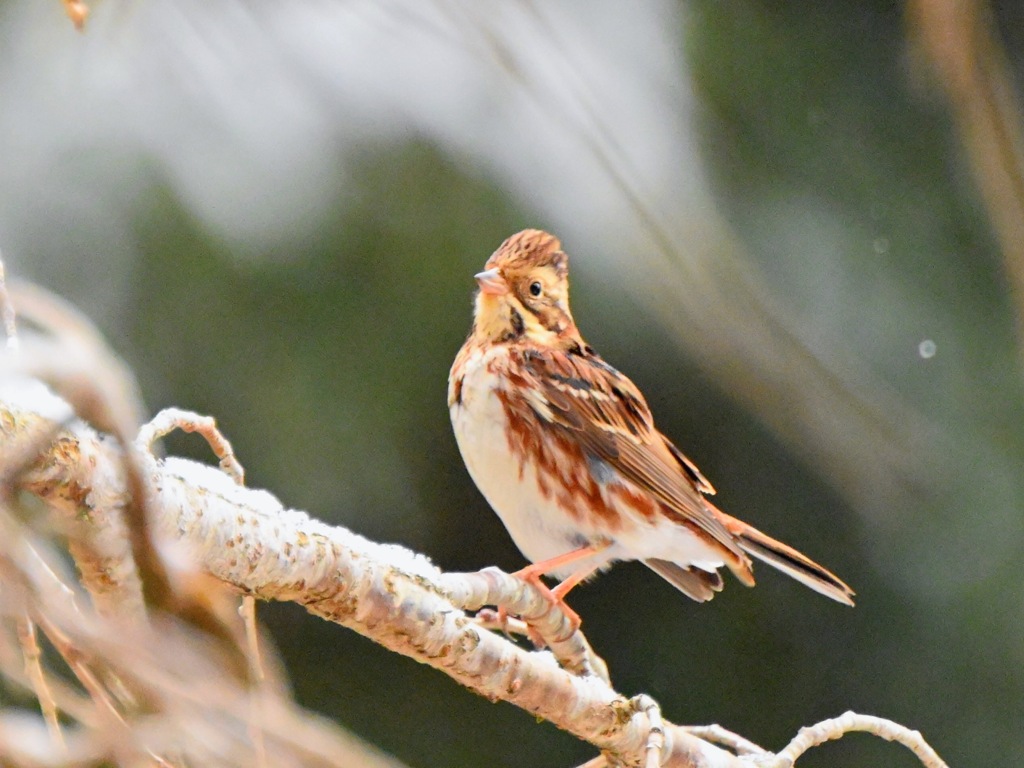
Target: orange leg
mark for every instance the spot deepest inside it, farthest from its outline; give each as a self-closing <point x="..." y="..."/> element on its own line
<point x="563" y="589"/>
<point x="533" y="572"/>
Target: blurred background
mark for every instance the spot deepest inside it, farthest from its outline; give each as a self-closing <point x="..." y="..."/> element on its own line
<point x="798" y="227"/>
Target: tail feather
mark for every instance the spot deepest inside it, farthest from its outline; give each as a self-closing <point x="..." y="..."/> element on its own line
<point x="794" y="564"/>
<point x="694" y="583"/>
<point x="702" y="585"/>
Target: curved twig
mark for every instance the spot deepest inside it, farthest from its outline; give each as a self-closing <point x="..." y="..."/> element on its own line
<point x="837" y="727"/>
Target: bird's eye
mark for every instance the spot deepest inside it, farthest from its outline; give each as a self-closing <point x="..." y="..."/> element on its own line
<point x="535" y="288"/>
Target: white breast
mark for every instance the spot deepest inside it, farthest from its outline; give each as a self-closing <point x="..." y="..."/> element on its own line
<point x="539" y="528"/>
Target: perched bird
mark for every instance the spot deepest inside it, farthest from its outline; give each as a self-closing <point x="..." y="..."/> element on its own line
<point x="565" y="450"/>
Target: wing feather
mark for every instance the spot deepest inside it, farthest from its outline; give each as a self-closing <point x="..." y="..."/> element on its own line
<point x="608" y="416"/>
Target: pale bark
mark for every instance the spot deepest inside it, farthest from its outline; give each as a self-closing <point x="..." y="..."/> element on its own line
<point x="247" y="539"/>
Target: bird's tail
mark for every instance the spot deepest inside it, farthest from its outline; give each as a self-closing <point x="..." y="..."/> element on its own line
<point x="788" y="560"/>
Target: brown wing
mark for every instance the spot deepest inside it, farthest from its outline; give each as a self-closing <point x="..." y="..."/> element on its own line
<point x="608" y="416"/>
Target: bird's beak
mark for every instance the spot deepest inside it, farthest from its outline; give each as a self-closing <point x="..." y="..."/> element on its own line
<point x="491" y="283"/>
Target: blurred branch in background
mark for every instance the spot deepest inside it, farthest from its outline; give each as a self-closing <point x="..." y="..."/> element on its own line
<point x="165" y="687"/>
<point x="120" y="677"/>
<point x="962" y="44"/>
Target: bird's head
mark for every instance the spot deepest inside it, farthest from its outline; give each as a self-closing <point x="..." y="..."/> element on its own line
<point x="524" y="291"/>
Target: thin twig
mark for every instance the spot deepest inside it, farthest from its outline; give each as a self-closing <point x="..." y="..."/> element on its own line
<point x="656" y="736"/>
<point x="848" y="722"/>
<point x="159" y="426"/>
<point x="29" y="642"/>
<point x="68" y="699"/>
<point x="716" y="734"/>
<point x="248" y="611"/>
<point x="170" y="419"/>
<point x="77" y="664"/>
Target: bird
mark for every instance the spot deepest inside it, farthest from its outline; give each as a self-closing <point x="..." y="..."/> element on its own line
<point x="565" y="450"/>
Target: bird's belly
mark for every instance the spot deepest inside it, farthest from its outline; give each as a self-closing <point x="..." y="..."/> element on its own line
<point x="538" y="526"/>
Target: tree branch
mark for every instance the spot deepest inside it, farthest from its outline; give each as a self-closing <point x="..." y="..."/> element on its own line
<point x="249" y="540"/>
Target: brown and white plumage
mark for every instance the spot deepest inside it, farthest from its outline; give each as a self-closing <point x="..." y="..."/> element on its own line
<point x="564" y="448"/>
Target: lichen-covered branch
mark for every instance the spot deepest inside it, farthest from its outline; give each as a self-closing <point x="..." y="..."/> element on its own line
<point x="247" y="539"/>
